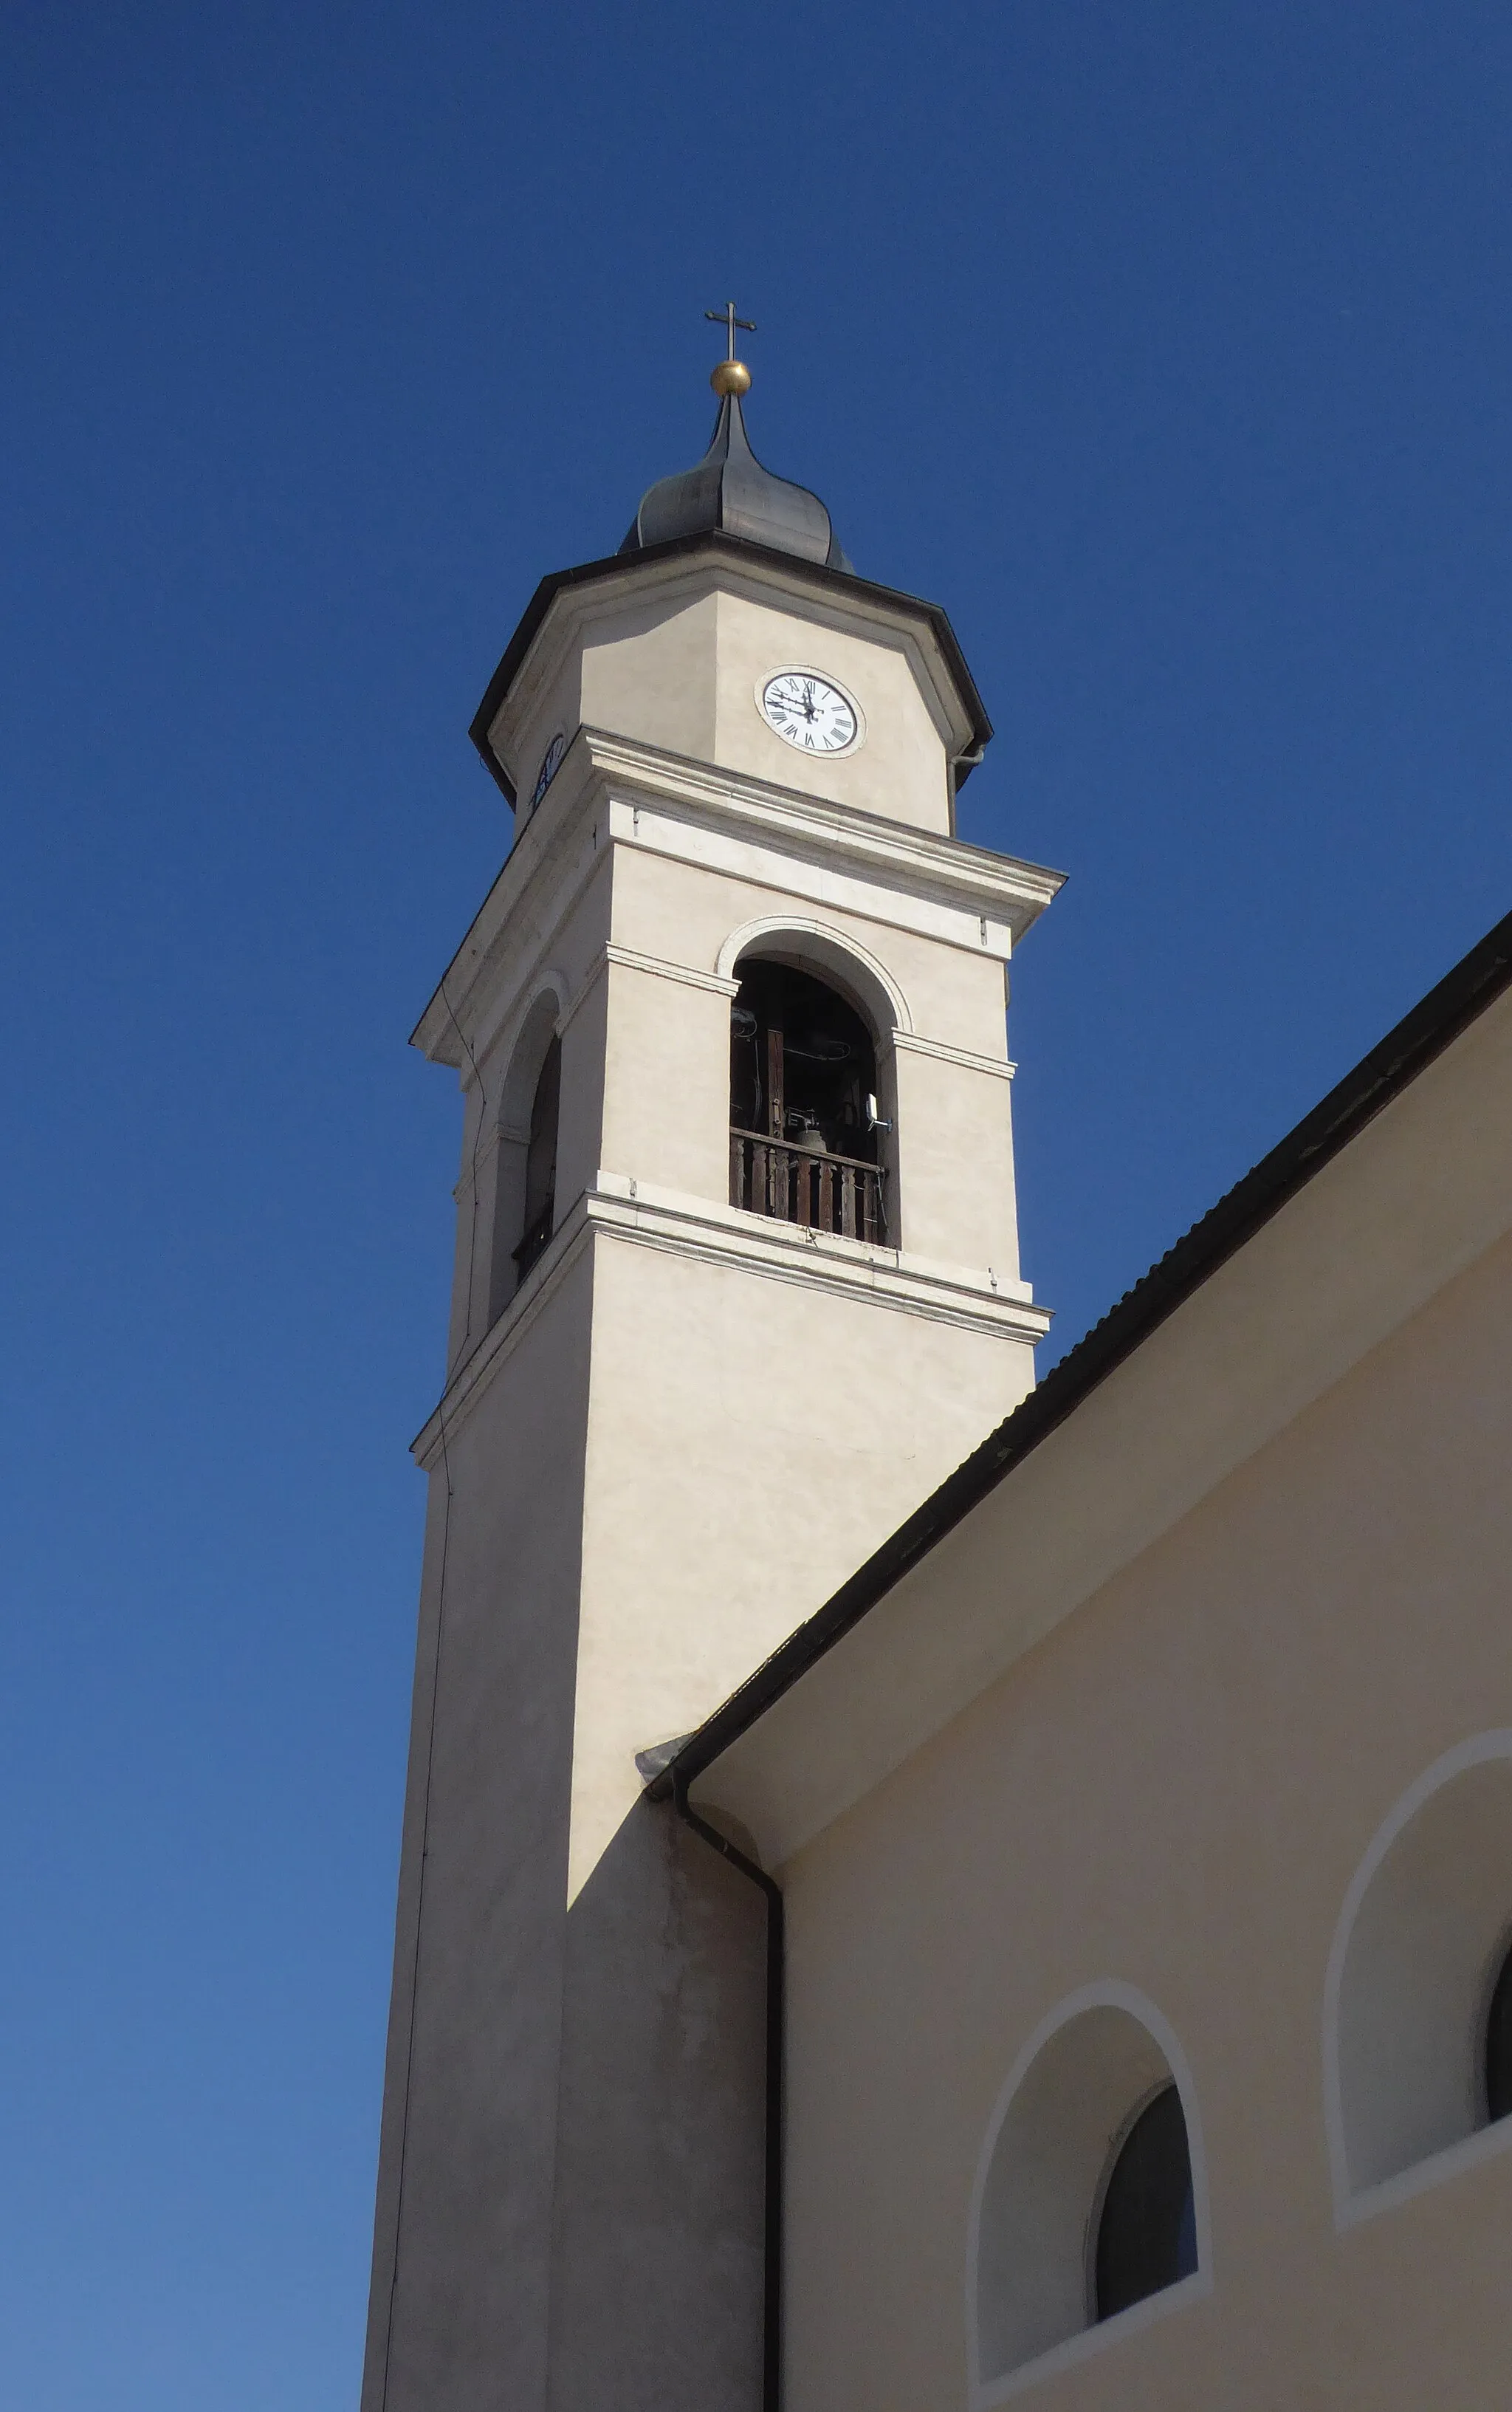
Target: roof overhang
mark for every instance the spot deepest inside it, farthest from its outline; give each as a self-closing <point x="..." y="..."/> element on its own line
<point x="1398" y="1180"/>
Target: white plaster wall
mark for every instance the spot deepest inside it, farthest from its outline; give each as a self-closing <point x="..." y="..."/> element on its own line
<point x="658" y="2199"/>
<point x="751" y="1440"/>
<point x="1419" y="1951"/>
<point x="1173" y="1790"/>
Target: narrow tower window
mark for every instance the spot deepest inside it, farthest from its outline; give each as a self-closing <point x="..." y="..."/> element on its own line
<point x="541" y="1162"/>
<point x="803" y="1117"/>
<point x="1499" y="2045"/>
<point x="1146" y="2232"/>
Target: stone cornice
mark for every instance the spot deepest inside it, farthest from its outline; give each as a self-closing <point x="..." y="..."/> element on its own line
<point x="621" y="1208"/>
<point x="911" y="1044"/>
<point x="713" y="558"/>
<point x="654" y="966"/>
<point x="605" y="793"/>
<point x="893" y="853"/>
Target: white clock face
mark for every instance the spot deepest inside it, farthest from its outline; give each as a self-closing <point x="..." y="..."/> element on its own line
<point x="810" y="712"/>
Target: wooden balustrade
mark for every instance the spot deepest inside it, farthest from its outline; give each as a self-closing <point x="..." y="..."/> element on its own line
<point x="824" y="1193"/>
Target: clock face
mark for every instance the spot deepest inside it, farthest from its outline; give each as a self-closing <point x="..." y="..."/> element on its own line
<point x="810" y="712"/>
<point x="550" y="764"/>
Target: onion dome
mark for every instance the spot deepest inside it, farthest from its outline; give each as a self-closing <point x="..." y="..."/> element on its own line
<point x="730" y="490"/>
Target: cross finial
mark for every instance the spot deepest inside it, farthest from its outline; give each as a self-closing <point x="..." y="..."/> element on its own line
<point x="727" y="319"/>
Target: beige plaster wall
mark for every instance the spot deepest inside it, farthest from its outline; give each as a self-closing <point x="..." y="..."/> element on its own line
<point x="678" y="1435"/>
<point x="499" y="1087"/>
<point x="955" y="1146"/>
<point x="1174" y="1790"/>
<point x="667" y="1092"/>
<point x="684" y="911"/>
<point x="898" y="771"/>
<point x="459" y="2297"/>
<point x="679" y="668"/>
<point x="750" y="1441"/>
<point x="648" y="670"/>
<point x="724" y="1396"/>
<point x="666" y="1081"/>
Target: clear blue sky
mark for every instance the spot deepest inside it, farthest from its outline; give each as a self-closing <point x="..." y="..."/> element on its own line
<point x="1170" y="346"/>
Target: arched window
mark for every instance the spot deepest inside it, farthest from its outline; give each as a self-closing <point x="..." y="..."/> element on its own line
<point x="1090" y="2201"/>
<point x="1498" y="2044"/>
<point x="1147" y="2235"/>
<point x="803" y="1111"/>
<point x="541" y="1162"/>
<point x="1418" y="2000"/>
<point x="525" y="1168"/>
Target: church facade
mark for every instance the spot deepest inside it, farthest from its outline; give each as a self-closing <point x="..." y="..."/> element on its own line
<point x="890" y="1917"/>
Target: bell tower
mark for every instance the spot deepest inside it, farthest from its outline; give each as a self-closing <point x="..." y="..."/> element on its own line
<point x="736" y="1286"/>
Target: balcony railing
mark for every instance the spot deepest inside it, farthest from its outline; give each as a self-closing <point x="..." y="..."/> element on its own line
<point x="824" y="1193"/>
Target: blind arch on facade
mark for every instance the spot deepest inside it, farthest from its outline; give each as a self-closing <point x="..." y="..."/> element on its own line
<point x="1416" y="2039"/>
<point x="1070" y="2107"/>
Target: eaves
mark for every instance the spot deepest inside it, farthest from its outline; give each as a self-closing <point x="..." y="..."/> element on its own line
<point x="1319" y="1140"/>
<point x="842" y="586"/>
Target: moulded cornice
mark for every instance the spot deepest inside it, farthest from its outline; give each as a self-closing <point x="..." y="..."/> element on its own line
<point x="894" y="853"/>
<point x="710" y="559"/>
<point x="654" y="966"/>
<point x="969" y="1060"/>
<point x="605" y="787"/>
<point x="552" y="858"/>
<point x="619" y="1208"/>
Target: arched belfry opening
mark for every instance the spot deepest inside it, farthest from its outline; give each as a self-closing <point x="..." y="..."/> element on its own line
<point x="541" y="1161"/>
<point x="804" y="1119"/>
<point x="524" y="1189"/>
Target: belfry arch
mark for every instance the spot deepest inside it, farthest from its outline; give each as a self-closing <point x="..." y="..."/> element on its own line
<point x="831" y="956"/>
<point x="525" y="1186"/>
<point x="807" y="1118"/>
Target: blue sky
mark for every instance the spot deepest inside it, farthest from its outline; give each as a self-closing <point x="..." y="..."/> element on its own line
<point x="1167" y="346"/>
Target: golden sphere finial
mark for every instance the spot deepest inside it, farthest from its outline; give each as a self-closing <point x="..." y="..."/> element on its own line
<point x="731" y="376"/>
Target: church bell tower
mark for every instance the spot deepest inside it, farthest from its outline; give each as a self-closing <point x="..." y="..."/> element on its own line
<point x="736" y="1286"/>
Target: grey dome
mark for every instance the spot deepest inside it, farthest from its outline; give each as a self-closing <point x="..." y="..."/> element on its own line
<point x="730" y="490"/>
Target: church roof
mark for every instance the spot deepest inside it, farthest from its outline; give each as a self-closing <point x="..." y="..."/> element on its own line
<point x="730" y="491"/>
<point x="1458" y="1001"/>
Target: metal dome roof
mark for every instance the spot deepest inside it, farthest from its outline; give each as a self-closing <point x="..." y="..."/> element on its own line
<point x="728" y="490"/>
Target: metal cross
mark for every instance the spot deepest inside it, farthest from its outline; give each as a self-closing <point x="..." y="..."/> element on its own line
<point x="727" y="319"/>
